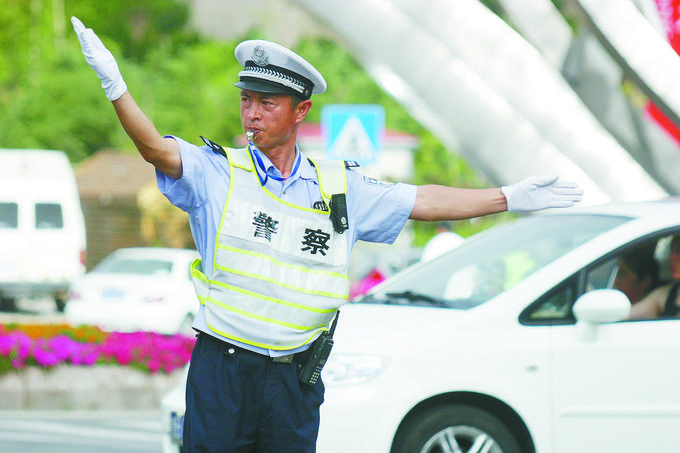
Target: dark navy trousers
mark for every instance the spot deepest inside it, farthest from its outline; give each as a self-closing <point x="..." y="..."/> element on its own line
<point x="238" y="401"/>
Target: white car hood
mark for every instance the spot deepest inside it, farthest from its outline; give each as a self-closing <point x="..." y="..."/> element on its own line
<point x="369" y="328"/>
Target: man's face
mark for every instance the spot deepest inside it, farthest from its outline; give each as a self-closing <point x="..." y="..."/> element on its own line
<point x="628" y="282"/>
<point x="674" y="258"/>
<point x="271" y="117"/>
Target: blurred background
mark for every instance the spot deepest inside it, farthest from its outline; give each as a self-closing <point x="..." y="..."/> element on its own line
<point x="474" y="94"/>
<point x="468" y="93"/>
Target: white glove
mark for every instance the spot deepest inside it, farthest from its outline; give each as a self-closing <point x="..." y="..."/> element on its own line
<point x="541" y="192"/>
<point x="101" y="60"/>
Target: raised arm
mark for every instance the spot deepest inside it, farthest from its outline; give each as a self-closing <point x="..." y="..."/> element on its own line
<point x="534" y="193"/>
<point x="162" y="153"/>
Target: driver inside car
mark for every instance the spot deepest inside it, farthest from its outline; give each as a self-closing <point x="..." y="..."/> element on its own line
<point x="663" y="301"/>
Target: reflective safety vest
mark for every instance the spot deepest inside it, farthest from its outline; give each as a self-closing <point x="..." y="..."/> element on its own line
<point x="280" y="271"/>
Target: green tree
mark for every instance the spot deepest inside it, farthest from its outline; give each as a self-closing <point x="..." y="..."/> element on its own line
<point x="60" y="108"/>
<point x="138" y="27"/>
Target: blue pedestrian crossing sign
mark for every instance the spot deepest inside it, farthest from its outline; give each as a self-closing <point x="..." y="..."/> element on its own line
<point x="353" y="132"/>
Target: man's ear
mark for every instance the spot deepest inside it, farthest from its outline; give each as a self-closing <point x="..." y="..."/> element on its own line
<point x="302" y="109"/>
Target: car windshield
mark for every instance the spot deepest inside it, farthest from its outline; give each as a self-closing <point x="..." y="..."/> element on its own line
<point x="140" y="266"/>
<point x="491" y="262"/>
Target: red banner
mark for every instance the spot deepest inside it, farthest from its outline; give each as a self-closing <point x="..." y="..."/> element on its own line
<point x="669" y="12"/>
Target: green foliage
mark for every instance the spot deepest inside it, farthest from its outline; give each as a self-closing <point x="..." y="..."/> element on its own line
<point x="192" y="94"/>
<point x="60" y="108"/>
<point x="14" y="47"/>
<point x="138" y="27"/>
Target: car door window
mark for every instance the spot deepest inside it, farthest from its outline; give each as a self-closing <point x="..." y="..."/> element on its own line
<point x="602" y="276"/>
<point x="555" y="307"/>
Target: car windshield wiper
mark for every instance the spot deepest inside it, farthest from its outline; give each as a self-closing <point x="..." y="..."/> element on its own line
<point x="424" y="299"/>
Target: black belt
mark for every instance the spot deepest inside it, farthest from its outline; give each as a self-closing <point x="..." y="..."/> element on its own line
<point x="232" y="348"/>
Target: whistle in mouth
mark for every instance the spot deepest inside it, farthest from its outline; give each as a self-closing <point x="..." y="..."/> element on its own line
<point x="250" y="135"/>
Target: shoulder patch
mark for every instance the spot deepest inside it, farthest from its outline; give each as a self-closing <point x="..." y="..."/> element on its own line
<point x="214" y="146"/>
<point x="375" y="182"/>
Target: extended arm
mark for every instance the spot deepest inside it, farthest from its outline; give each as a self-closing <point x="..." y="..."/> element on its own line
<point x="531" y="194"/>
<point x="162" y="153"/>
<point x="450" y="203"/>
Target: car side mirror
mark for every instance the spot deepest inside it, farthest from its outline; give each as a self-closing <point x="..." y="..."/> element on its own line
<point x="598" y="307"/>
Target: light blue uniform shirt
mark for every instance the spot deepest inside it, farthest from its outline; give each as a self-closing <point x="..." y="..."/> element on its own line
<point x="376" y="211"/>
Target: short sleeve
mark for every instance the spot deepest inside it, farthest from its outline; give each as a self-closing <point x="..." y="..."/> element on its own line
<point x="379" y="209"/>
<point x="202" y="170"/>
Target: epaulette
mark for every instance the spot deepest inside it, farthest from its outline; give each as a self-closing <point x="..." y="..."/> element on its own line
<point x="214" y="146"/>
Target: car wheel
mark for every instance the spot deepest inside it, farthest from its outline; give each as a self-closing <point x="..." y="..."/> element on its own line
<point x="8" y="304"/>
<point x="60" y="304"/>
<point x="455" y="428"/>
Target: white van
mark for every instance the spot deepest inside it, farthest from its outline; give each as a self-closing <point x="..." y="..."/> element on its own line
<point x="42" y="228"/>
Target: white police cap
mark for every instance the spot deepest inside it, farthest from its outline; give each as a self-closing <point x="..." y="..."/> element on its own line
<point x="271" y="68"/>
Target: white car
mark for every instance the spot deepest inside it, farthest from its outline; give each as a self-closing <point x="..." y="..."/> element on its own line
<point x="513" y="342"/>
<point x="137" y="289"/>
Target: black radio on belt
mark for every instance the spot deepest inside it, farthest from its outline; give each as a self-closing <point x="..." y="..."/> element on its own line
<point x="310" y="370"/>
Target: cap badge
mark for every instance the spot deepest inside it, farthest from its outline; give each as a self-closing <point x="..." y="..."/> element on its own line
<point x="260" y="56"/>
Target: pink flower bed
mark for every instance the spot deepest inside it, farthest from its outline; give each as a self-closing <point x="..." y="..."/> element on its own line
<point x="147" y="351"/>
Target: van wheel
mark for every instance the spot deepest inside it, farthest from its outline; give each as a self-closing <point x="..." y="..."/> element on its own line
<point x="458" y="428"/>
<point x="8" y="304"/>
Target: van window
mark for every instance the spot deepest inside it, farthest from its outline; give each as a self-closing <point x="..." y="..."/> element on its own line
<point x="9" y="215"/>
<point x="48" y="216"/>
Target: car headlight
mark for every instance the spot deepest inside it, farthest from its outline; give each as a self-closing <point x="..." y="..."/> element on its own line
<point x="351" y="369"/>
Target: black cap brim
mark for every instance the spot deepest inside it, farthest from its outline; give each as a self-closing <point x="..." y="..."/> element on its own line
<point x="264" y="87"/>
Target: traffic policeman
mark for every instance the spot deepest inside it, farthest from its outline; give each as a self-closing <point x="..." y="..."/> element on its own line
<point x="274" y="230"/>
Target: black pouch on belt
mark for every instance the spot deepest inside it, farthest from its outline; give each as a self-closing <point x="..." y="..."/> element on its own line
<point x="309" y="371"/>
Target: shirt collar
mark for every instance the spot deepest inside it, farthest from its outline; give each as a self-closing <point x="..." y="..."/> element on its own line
<point x="268" y="167"/>
<point x="307" y="170"/>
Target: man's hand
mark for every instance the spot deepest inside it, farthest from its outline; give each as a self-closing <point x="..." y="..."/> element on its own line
<point x="541" y="192"/>
<point x="101" y="60"/>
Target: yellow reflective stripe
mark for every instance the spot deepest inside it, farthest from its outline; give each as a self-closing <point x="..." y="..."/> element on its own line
<point x="224" y="214"/>
<point x="244" y="160"/>
<point x="264" y="318"/>
<point x="282" y="284"/>
<point x="282" y="264"/>
<point x="240" y="158"/>
<point x="332" y="177"/>
<point x="270" y="299"/>
<point x="264" y="345"/>
<point x="195" y="272"/>
<point x="199" y="280"/>
<point x="302" y="208"/>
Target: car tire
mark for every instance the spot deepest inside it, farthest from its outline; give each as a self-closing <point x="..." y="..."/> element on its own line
<point x="60" y="304"/>
<point x="8" y="304"/>
<point x="459" y="428"/>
